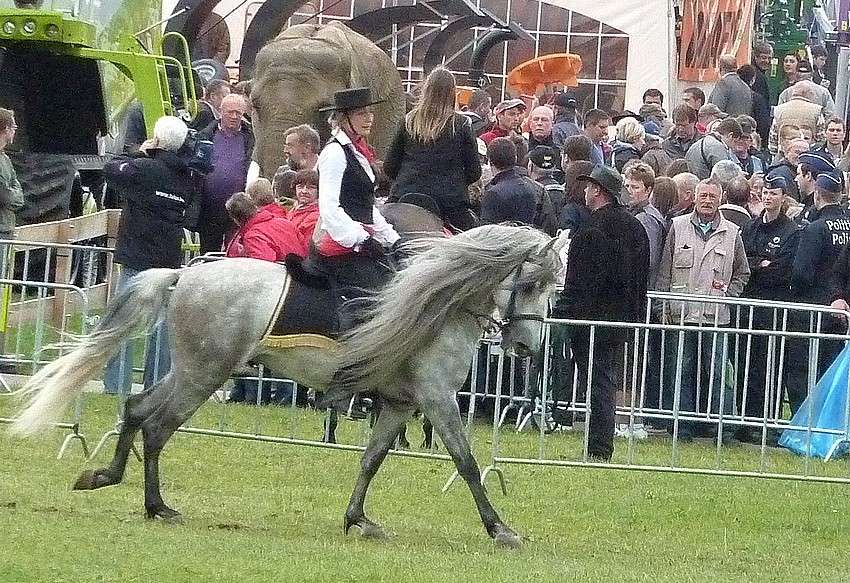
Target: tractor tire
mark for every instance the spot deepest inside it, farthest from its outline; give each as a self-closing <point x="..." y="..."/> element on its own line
<point x="47" y="181"/>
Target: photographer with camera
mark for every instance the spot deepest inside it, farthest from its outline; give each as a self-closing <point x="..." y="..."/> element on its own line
<point x="155" y="186"/>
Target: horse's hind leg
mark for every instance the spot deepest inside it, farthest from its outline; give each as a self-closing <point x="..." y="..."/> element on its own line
<point x="138" y="408"/>
<point x="444" y="414"/>
<point x="390" y="421"/>
<point x="157" y="429"/>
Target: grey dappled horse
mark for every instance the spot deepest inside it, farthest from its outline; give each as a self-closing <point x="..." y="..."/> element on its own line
<point x="414" y="349"/>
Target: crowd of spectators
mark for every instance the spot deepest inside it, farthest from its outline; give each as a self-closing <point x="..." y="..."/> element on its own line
<point x="738" y="194"/>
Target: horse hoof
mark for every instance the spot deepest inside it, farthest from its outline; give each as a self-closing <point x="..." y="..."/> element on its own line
<point x="368" y="529"/>
<point x="507" y="538"/>
<point x="92" y="480"/>
<point x="165" y="514"/>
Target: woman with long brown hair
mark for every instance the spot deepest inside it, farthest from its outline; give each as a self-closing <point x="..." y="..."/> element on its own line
<point x="435" y="152"/>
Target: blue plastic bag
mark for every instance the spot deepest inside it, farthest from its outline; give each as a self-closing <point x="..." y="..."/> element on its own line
<point x="828" y="406"/>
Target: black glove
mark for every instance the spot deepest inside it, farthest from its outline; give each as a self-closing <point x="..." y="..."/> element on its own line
<point x="371" y="247"/>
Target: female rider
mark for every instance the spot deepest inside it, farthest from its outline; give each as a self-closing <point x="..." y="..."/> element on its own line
<point x="353" y="235"/>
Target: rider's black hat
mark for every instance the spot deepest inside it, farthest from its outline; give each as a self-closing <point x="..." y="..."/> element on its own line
<point x="351" y="99"/>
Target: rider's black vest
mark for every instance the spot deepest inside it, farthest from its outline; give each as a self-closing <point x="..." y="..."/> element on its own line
<point x="357" y="192"/>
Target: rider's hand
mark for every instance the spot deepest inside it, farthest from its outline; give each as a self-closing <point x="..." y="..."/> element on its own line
<point x="371" y="247"/>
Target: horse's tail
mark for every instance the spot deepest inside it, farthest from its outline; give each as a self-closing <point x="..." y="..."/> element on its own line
<point x="49" y="391"/>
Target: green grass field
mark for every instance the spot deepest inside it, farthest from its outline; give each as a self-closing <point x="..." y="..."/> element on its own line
<point x="270" y="512"/>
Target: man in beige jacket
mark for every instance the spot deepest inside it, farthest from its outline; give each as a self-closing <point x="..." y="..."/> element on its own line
<point x="802" y="110"/>
<point x="703" y="256"/>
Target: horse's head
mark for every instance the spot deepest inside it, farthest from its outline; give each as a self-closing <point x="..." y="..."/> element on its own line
<point x="522" y="299"/>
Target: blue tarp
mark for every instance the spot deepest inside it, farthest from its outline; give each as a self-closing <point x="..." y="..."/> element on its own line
<point x="827" y="404"/>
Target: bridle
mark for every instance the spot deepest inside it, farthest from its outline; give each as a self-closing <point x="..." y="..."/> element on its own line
<point x="510" y="316"/>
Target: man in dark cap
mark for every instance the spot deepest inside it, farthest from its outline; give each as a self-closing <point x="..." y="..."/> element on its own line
<point x="565" y="118"/>
<point x="544" y="167"/>
<point x="810" y="165"/>
<point x="606" y="279"/>
<point x="821" y="243"/>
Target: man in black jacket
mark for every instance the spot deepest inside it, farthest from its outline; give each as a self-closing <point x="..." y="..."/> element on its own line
<point x="606" y="279"/>
<point x="155" y="187"/>
<point x="233" y="144"/>
<point x="510" y="196"/>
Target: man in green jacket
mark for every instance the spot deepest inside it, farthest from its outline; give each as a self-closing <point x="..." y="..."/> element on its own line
<point x="11" y="195"/>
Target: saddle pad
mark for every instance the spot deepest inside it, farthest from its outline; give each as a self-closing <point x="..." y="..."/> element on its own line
<point x="304" y="317"/>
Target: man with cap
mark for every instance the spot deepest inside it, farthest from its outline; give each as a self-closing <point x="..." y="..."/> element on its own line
<point x="744" y="149"/>
<point x="770" y="241"/>
<point x="508" y="117"/>
<point x="606" y="279"/>
<point x="654" y="113"/>
<point x="544" y="170"/>
<point x="703" y="255"/>
<point x="821" y="244"/>
<point x="822" y="96"/>
<point x="810" y="165"/>
<point x="713" y="147"/>
<point x="821" y="241"/>
<point x="565" y="118"/>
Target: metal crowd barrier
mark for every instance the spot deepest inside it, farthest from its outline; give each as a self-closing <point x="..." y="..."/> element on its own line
<point x="45" y="340"/>
<point x="783" y="339"/>
<point x="527" y="393"/>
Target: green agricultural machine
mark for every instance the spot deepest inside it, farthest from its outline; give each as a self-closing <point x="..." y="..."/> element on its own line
<point x="70" y="69"/>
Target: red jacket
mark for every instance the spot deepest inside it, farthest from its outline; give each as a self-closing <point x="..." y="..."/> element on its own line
<point x="495" y="132"/>
<point x="304" y="219"/>
<point x="275" y="209"/>
<point x="268" y="237"/>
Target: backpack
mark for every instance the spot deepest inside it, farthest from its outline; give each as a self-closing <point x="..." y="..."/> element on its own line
<point x="545" y="216"/>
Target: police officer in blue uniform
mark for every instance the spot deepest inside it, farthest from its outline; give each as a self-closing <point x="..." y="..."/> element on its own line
<point x="771" y="243"/>
<point x="810" y="165"/>
<point x="821" y="242"/>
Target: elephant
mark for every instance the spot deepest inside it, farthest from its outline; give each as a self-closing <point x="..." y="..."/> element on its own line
<point x="298" y="72"/>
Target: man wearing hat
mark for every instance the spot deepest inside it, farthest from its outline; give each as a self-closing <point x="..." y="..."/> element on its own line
<point x="704" y="256"/>
<point x="822" y="96"/>
<point x="508" y="117"/>
<point x="810" y="165"/>
<point x="565" y="118"/>
<point x="606" y="279"/>
<point x="353" y="235"/>
<point x="821" y="243"/>
<point x="744" y="149"/>
<point x="544" y="169"/>
<point x="770" y="241"/>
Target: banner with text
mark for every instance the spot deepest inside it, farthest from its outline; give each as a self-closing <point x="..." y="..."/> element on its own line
<point x="711" y="28"/>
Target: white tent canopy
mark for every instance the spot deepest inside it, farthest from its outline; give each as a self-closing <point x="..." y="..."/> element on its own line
<point x="652" y="44"/>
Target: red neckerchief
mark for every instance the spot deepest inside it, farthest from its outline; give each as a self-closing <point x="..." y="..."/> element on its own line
<point x="364" y="148"/>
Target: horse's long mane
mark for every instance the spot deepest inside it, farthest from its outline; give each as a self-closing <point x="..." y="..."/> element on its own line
<point x="447" y="276"/>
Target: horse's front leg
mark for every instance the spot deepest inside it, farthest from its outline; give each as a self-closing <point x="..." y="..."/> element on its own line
<point x="390" y="421"/>
<point x="442" y="410"/>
